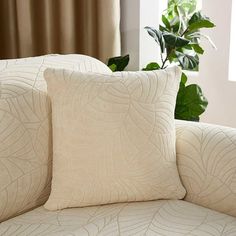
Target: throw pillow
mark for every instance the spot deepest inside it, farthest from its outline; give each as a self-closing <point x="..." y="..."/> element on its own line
<point x="113" y="137"/>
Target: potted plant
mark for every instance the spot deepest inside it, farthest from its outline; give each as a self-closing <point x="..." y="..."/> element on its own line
<point x="179" y="39"/>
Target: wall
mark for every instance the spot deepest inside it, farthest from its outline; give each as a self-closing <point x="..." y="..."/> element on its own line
<point x="130" y="31"/>
<point x="213" y="76"/>
<point x="135" y="15"/>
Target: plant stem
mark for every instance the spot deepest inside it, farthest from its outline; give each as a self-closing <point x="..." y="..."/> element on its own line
<point x="164" y="62"/>
<point x="184" y="33"/>
<point x="166" y="59"/>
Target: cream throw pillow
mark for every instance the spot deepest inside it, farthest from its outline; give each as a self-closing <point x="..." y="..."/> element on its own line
<point x="113" y="137"/>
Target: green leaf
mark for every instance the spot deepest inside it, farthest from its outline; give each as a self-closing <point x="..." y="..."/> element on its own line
<point x="191" y="103"/>
<point x="191" y="7"/>
<point x="157" y="35"/>
<point x="172" y="56"/>
<point x="197" y="48"/>
<point x="113" y="67"/>
<point x="175" y="41"/>
<point x="195" y="36"/>
<point x="209" y="40"/>
<point x="184" y="78"/>
<point x="163" y="29"/>
<point x="152" y="66"/>
<point x="198" y="21"/>
<point x="187" y="47"/>
<point x="166" y="22"/>
<point x="182" y="11"/>
<point x="120" y="62"/>
<point x="187" y="62"/>
<point x="175" y="27"/>
<point x="182" y="19"/>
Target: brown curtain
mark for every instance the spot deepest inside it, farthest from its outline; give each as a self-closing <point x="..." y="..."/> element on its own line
<point x="37" y="27"/>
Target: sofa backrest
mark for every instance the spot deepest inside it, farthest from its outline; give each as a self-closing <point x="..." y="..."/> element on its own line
<point x="25" y="141"/>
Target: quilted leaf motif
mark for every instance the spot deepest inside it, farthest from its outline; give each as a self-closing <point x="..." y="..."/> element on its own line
<point x="25" y="129"/>
<point x="207" y="164"/>
<point x="154" y="218"/>
<point x="114" y="137"/>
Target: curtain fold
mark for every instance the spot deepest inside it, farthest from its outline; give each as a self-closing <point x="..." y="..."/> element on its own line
<point x="37" y="27"/>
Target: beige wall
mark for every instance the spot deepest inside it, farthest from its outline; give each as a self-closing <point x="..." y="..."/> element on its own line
<point x="135" y="15"/>
<point x="213" y="75"/>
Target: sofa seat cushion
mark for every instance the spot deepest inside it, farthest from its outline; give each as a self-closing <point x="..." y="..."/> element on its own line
<point x="163" y="217"/>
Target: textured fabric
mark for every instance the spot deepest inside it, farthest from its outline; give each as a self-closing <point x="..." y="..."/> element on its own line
<point x="161" y="218"/>
<point x="206" y="156"/>
<point x="113" y="137"/>
<point x="32" y="28"/>
<point x="25" y="129"/>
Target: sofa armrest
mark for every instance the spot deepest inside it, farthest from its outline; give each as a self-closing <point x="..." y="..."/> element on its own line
<point x="206" y="157"/>
<point x="25" y="129"/>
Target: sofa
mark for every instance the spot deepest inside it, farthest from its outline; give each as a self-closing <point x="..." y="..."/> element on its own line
<point x="206" y="160"/>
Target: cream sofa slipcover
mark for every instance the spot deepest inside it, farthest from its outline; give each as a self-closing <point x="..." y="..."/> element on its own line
<point x="206" y="156"/>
